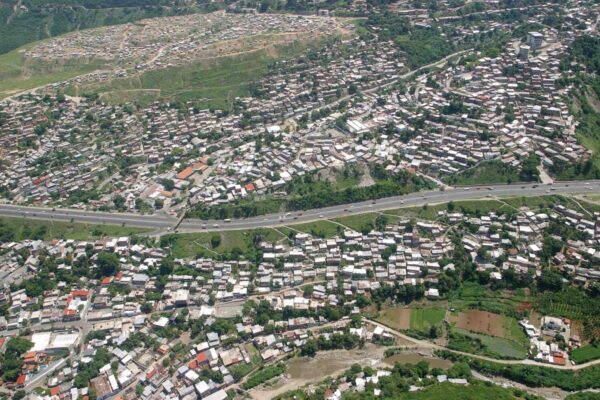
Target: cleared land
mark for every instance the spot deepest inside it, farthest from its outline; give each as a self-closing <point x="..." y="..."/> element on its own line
<point x="396" y="318"/>
<point x="481" y="322"/>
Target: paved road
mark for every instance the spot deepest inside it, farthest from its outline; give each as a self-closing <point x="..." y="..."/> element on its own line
<point x="162" y="222"/>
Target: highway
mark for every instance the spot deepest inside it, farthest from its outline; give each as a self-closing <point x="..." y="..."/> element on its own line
<point x="164" y="223"/>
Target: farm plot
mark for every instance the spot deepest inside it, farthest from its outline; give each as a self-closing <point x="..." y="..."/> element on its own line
<point x="396" y="318"/>
<point x="423" y="318"/>
<point x="481" y="322"/>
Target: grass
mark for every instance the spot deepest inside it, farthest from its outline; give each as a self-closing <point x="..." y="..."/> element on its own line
<point x="472" y="295"/>
<point x="240" y="370"/>
<point x="46" y="230"/>
<point x="17" y="75"/>
<point x="263" y="375"/>
<point x="193" y="244"/>
<point x="494" y="171"/>
<point x="211" y="83"/>
<point x="492" y="346"/>
<point x="322" y="228"/>
<point x="586" y="353"/>
<point x="363" y="222"/>
<point x="423" y="318"/>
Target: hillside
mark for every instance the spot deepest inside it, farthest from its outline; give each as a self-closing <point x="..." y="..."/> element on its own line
<point x="26" y="21"/>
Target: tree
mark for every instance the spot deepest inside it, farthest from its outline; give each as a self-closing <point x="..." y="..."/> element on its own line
<point x="215" y="240"/>
<point x="381" y="222"/>
<point x="550" y="280"/>
<point x="168" y="184"/>
<point x="310" y="348"/>
<point x="108" y="263"/>
<point x="166" y="266"/>
<point x="307" y="291"/>
<point x="146" y="308"/>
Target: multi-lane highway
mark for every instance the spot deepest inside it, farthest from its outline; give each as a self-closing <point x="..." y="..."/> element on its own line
<point x="161" y="222"/>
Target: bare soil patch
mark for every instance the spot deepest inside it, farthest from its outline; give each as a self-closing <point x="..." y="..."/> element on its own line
<point x="481" y="322"/>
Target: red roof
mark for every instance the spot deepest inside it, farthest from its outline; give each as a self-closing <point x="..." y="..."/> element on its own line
<point x="21" y="379"/>
<point x="193" y="364"/>
<point x="201" y="357"/>
<point x="2" y="340"/>
<point x="150" y="374"/>
<point x="54" y="391"/>
<point x="249" y="187"/>
<point x="39" y="180"/>
<point x="80" y="293"/>
<point x="559" y="360"/>
<point x="184" y="174"/>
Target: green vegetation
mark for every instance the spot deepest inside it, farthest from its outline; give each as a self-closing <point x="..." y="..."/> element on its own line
<point x="366" y="222"/>
<point x="583" y="396"/>
<point x="88" y="371"/>
<point x="586" y="353"/>
<point x="447" y="391"/>
<point x="585" y="52"/>
<point x="322" y="229"/>
<point x="420" y="45"/>
<point x="487" y="172"/>
<point x="261" y="376"/>
<point x="387" y="184"/>
<point x="491" y="346"/>
<point x="534" y="376"/>
<point x="423" y="318"/>
<point x="403" y="376"/>
<point x="240" y="370"/>
<point x="11" y="361"/>
<point x="15" y="229"/>
<point x="17" y="75"/>
<point x="211" y="83"/>
<point x="235" y="243"/>
<point x="574" y="304"/>
<point x="336" y="341"/>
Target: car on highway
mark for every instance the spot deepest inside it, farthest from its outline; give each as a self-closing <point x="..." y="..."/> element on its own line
<point x="321" y="216"/>
<point x="226" y="220"/>
<point x="215" y="225"/>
